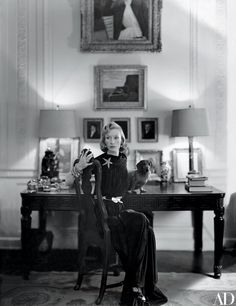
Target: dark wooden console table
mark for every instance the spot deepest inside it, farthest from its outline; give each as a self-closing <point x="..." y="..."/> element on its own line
<point x="157" y="198"/>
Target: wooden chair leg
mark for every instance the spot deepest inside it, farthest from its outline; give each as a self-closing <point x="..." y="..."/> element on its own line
<point x="81" y="266"/>
<point x="83" y="246"/>
<point x="79" y="281"/>
<point x="103" y="285"/>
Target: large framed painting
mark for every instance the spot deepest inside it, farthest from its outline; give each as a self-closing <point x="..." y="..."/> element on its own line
<point x="181" y="163"/>
<point x="147" y="129"/>
<point x="120" y="26"/>
<point x="125" y="125"/>
<point x="92" y="129"/>
<point x="120" y="87"/>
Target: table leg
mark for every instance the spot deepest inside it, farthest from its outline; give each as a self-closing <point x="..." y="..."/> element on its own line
<point x="219" y="233"/>
<point x="197" y="217"/>
<point x="26" y="239"/>
<point x="42" y="220"/>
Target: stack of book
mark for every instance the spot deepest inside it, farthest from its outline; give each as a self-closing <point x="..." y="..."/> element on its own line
<point x="197" y="183"/>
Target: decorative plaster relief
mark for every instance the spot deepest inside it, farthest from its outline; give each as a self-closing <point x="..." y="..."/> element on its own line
<point x="22" y="50"/>
<point x="22" y="71"/>
<point x="221" y="77"/>
<point x="48" y="52"/>
<point x="193" y="51"/>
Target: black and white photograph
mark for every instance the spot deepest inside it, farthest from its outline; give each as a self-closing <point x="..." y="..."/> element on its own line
<point x="117" y="152"/>
<point x="154" y="157"/>
<point x="92" y="129"/>
<point x="121" y="25"/>
<point x="147" y="129"/>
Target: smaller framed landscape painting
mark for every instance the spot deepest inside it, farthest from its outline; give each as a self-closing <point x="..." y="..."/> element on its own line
<point x="120" y="87"/>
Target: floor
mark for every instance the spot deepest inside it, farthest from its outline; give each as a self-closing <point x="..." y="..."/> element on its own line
<point x="65" y="260"/>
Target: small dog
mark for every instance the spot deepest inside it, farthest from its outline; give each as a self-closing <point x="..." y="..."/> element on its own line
<point x="138" y="178"/>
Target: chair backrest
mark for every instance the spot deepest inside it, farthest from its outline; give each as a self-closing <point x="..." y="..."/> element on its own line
<point x="97" y="199"/>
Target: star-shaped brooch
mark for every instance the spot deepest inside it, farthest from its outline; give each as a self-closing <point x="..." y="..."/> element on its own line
<point x="107" y="162"/>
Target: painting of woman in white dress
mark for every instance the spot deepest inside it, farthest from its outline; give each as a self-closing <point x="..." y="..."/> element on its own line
<point x="121" y="25"/>
<point x="121" y="19"/>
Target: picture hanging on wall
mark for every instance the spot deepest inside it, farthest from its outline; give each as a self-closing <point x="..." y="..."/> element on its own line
<point x="103" y="29"/>
<point x="125" y="125"/>
<point x="92" y="129"/>
<point x="120" y="87"/>
<point x="147" y="129"/>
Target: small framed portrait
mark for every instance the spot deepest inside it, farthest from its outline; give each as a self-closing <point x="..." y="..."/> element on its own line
<point x="147" y="129"/>
<point x="117" y="26"/>
<point x="120" y="87"/>
<point x="125" y="125"/>
<point x="92" y="129"/>
<point x="155" y="157"/>
<point x="181" y="163"/>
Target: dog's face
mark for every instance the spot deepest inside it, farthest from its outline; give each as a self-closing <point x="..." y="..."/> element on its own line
<point x="144" y="167"/>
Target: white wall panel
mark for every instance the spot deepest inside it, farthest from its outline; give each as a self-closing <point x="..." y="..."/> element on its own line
<point x="41" y="66"/>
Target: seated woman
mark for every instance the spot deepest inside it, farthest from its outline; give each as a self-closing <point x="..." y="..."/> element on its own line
<point x="132" y="236"/>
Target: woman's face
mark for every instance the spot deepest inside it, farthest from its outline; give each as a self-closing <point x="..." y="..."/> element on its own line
<point x="113" y="141"/>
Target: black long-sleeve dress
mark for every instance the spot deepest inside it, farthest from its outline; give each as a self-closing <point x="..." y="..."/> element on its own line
<point x="132" y="236"/>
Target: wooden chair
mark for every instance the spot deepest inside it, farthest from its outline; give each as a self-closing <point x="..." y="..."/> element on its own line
<point x="103" y="231"/>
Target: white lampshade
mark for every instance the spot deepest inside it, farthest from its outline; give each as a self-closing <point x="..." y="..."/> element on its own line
<point x="57" y="124"/>
<point x="189" y="122"/>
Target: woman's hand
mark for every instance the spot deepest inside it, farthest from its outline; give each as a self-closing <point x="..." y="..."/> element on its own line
<point x="84" y="161"/>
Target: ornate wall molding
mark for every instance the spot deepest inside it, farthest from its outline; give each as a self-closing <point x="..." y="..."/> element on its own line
<point x="22" y="72"/>
<point x="193" y="50"/>
<point x="48" y="52"/>
<point x="41" y="25"/>
<point x="22" y="50"/>
<point x="221" y="77"/>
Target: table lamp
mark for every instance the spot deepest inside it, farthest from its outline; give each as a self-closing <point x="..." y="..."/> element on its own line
<point x="189" y="122"/>
<point x="55" y="124"/>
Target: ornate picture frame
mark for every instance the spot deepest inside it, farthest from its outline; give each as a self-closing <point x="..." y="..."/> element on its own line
<point x="92" y="129"/>
<point x="155" y="157"/>
<point x="101" y="22"/>
<point x="147" y="129"/>
<point x="120" y="87"/>
<point x="125" y="124"/>
<point x="181" y="163"/>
